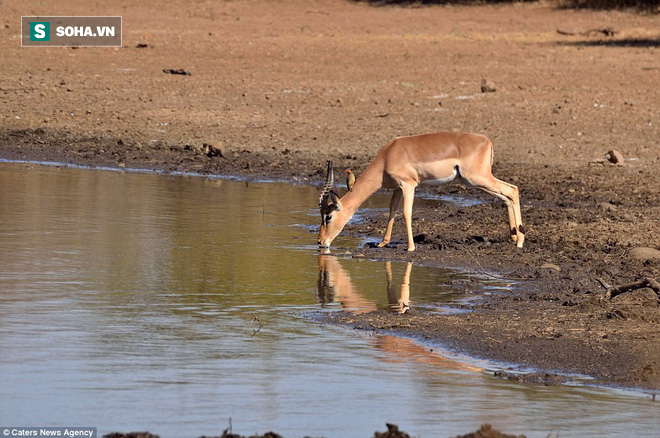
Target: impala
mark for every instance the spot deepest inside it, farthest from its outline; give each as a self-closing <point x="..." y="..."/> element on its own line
<point x="407" y="162"/>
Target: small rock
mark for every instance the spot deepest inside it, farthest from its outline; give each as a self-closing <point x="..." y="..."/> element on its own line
<point x="130" y="435"/>
<point x="606" y="206"/>
<point x="422" y="239"/>
<point x="211" y="150"/>
<point x="178" y="71"/>
<point x="615" y="157"/>
<point x="644" y="253"/>
<point x="488" y="86"/>
<point x="392" y="432"/>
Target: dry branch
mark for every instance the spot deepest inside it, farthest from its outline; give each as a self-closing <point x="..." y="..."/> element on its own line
<point x="645" y="282"/>
<point x="607" y="31"/>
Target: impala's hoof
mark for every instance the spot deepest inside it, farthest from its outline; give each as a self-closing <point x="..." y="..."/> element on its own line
<point x="518" y="235"/>
<point x="514" y="235"/>
<point x="521" y="238"/>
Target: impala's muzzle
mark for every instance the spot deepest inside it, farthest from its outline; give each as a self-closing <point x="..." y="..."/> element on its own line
<point x="323" y="238"/>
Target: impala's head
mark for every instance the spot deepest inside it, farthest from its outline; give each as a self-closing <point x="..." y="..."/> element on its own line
<point x="330" y="206"/>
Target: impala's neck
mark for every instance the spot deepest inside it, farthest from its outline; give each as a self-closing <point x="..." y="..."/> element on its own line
<point x="365" y="186"/>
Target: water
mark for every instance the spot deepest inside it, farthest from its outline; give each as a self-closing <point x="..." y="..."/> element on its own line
<point x="172" y="304"/>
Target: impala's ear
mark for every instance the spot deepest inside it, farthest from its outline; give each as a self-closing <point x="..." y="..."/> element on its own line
<point x="335" y="203"/>
<point x="330" y="203"/>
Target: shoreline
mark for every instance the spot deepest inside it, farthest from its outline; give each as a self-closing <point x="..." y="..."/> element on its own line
<point x="463" y="333"/>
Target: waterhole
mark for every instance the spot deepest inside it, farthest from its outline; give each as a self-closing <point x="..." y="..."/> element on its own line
<point x="134" y="301"/>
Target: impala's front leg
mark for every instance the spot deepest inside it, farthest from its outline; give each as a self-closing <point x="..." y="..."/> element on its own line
<point x="394" y="204"/>
<point x="408" y="191"/>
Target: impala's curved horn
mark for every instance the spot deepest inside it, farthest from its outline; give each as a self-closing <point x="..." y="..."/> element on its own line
<point x="327" y="188"/>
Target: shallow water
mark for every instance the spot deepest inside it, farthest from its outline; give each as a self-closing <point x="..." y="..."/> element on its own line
<point x="173" y="304"/>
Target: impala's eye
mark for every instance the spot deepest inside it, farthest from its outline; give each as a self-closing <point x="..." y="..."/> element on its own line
<point x="326" y="218"/>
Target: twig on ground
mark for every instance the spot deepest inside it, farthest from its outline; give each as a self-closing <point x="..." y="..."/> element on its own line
<point x="645" y="282"/>
<point x="483" y="272"/>
<point x="607" y="31"/>
<point x="603" y="283"/>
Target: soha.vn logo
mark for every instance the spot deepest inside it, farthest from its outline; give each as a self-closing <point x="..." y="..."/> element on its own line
<point x="40" y="31"/>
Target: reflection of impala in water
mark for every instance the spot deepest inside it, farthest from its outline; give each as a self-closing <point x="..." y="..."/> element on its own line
<point x="335" y="285"/>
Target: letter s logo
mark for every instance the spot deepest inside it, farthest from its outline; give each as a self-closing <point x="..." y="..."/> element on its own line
<point x="40" y="31"/>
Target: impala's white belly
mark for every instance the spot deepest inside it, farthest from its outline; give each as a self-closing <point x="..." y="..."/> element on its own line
<point x="441" y="181"/>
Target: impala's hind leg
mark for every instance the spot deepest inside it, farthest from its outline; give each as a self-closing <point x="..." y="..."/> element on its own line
<point x="509" y="194"/>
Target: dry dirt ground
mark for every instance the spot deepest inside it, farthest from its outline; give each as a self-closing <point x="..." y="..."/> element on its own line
<point x="280" y="87"/>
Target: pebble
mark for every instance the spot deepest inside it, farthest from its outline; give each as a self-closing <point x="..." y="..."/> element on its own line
<point x="606" y="206"/>
<point x="644" y="253"/>
<point x="212" y="150"/>
<point x="615" y="157"/>
<point x="488" y="86"/>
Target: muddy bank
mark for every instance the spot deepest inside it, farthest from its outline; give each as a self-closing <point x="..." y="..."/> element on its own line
<point x="557" y="318"/>
<point x="485" y="431"/>
<point x="276" y="90"/>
